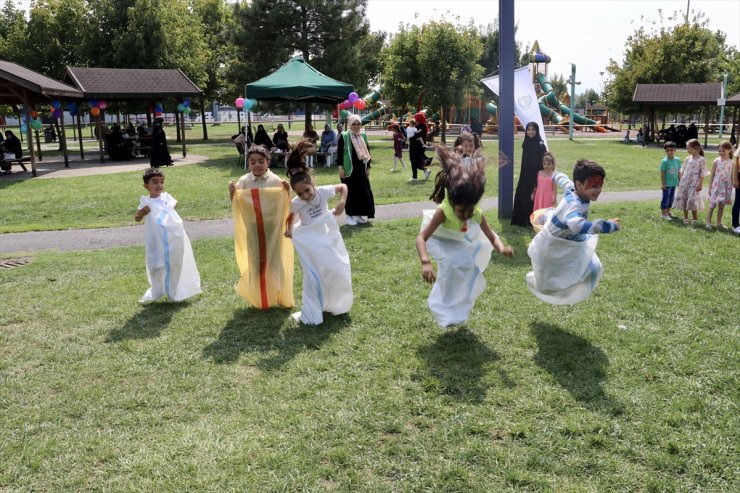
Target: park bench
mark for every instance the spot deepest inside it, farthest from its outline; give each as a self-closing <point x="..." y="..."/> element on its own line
<point x="6" y="164"/>
<point x="329" y="157"/>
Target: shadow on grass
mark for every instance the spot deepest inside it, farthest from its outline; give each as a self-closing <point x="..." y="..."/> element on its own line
<point x="265" y="332"/>
<point x="151" y="320"/>
<point x="456" y="365"/>
<point x="577" y="365"/>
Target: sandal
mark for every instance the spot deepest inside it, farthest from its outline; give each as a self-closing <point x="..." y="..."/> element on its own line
<point x="721" y="226"/>
<point x="686" y="221"/>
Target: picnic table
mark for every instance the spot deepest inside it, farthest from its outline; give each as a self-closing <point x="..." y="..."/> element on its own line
<point x="6" y="164"/>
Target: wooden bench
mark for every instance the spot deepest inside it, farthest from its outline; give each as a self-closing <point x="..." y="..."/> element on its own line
<point x="329" y="157"/>
<point x="8" y="163"/>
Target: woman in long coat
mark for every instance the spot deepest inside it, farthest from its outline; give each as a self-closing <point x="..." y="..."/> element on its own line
<point x="532" y="151"/>
<point x="159" y="154"/>
<point x="353" y="160"/>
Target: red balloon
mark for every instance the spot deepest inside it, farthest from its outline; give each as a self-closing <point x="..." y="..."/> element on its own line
<point x="360" y="104"/>
<point x="335" y="114"/>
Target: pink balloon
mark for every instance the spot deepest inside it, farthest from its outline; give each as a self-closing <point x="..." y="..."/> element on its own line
<point x="360" y="104"/>
<point x="239" y="103"/>
<point x="102" y="104"/>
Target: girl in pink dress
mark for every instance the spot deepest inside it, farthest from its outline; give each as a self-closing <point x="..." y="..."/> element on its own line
<point x="545" y="195"/>
<point x="720" y="184"/>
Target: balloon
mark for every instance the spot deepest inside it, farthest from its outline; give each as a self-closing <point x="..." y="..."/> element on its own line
<point x="36" y="124"/>
<point x="93" y="103"/>
<point x="24" y="128"/>
<point x="247" y="104"/>
<point x="72" y="106"/>
<point x="157" y="113"/>
<point x="186" y="102"/>
<point x="57" y="113"/>
<point x="102" y="104"/>
<point x="334" y="114"/>
<point x="73" y="112"/>
<point x="56" y="104"/>
<point x="344" y="113"/>
<point x="360" y="104"/>
<point x="34" y="113"/>
<point x="254" y="103"/>
<point x="490" y="107"/>
<point x="94" y="111"/>
<point x="180" y="107"/>
<point x="187" y="110"/>
<point x="353" y="97"/>
<point x="239" y="103"/>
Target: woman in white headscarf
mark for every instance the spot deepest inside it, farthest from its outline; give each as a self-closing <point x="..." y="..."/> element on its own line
<point x="353" y="160"/>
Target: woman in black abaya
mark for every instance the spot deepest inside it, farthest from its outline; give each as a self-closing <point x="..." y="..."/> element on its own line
<point x="532" y="151"/>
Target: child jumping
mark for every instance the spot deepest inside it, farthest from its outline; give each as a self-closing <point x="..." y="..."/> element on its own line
<point x="670" y="168"/>
<point x="545" y="195"/>
<point x="720" y="184"/>
<point x="327" y="276"/>
<point x="458" y="237"/>
<point x="691" y="180"/>
<point x="170" y="265"/>
<point x="565" y="267"/>
<point x="260" y="201"/>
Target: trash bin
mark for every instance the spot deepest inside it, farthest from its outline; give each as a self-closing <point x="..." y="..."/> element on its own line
<point x="47" y="135"/>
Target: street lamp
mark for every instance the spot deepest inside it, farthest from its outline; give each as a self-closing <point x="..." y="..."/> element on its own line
<point x="573" y="84"/>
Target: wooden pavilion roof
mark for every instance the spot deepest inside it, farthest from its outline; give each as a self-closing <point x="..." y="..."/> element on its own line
<point x="19" y="84"/>
<point x="119" y="84"/>
<point x="693" y="94"/>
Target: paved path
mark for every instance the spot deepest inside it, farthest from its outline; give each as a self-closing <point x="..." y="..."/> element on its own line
<point x="94" y="239"/>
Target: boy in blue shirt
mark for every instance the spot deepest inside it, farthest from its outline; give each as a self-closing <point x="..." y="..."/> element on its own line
<point x="669" y="167"/>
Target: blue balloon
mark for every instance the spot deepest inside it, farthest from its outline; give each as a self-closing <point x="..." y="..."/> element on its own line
<point x="73" y="112"/>
<point x="186" y="102"/>
<point x="93" y="103"/>
<point x="56" y="104"/>
<point x="71" y="106"/>
<point x="24" y="128"/>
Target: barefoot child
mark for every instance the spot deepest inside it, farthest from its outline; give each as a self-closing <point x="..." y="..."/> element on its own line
<point x="260" y="200"/>
<point x="170" y="265"/>
<point x="458" y="237"/>
<point x="327" y="277"/>
<point x="565" y="267"/>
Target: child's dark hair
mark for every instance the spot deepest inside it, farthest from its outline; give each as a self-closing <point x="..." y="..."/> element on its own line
<point x="467" y="137"/>
<point x="585" y="169"/>
<point x="259" y="149"/>
<point x="463" y="184"/>
<point x="151" y="173"/>
<point x="549" y="156"/>
<point x="669" y="144"/>
<point x="296" y="164"/>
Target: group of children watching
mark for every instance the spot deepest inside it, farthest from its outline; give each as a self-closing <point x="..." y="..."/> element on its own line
<point x="455" y="234"/>
<point x="682" y="184"/>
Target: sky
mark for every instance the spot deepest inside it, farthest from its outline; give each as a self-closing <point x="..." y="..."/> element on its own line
<point x="585" y="32"/>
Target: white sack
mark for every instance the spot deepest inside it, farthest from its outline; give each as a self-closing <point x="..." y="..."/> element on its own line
<point x="461" y="260"/>
<point x="170" y="265"/>
<point x="327" y="276"/>
<point x="564" y="271"/>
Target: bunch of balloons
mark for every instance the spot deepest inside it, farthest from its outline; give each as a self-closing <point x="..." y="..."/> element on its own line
<point x="97" y="105"/>
<point x="245" y="104"/>
<point x="184" y="107"/>
<point x="353" y="100"/>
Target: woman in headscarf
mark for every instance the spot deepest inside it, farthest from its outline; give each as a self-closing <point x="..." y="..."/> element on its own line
<point x="353" y="160"/>
<point x="281" y="138"/>
<point x="417" y="146"/>
<point x="533" y="149"/>
<point x="261" y="138"/>
<point x="160" y="153"/>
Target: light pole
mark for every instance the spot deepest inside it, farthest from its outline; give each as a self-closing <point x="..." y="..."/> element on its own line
<point x="573" y="84"/>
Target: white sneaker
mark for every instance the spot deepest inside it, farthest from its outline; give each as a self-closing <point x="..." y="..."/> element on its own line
<point x="411" y="180"/>
<point x="737" y="230"/>
<point x="296" y="316"/>
<point x="361" y="219"/>
<point x="351" y="221"/>
<point x="427" y="172"/>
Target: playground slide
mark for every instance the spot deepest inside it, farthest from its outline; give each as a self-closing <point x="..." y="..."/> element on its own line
<point x="374" y="115"/>
<point x="552" y="98"/>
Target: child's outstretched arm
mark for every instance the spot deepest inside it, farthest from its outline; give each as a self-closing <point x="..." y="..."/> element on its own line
<point x="141" y="213"/>
<point x="341" y="189"/>
<point x="289" y="225"/>
<point x="427" y="271"/>
<point x="232" y="190"/>
<point x="498" y="245"/>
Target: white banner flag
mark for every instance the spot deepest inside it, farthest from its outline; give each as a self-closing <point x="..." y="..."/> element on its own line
<point x="526" y="106"/>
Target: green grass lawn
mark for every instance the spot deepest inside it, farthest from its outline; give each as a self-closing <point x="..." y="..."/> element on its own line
<point x="635" y="389"/>
<point x="110" y="200"/>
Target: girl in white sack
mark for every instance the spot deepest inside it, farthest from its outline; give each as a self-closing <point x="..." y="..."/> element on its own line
<point x="327" y="276"/>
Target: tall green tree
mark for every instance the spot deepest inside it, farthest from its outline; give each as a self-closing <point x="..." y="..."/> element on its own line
<point x="669" y="51"/>
<point x="437" y="62"/>
<point x="489" y="38"/>
<point x="333" y="36"/>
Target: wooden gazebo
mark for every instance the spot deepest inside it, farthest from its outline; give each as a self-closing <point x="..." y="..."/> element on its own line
<point x="22" y="86"/>
<point x="129" y="84"/>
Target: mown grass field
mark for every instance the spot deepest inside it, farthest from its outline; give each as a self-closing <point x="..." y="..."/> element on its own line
<point x="110" y="200"/>
<point x="635" y="389"/>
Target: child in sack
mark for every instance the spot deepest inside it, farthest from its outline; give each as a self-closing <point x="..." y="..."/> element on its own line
<point x="170" y="265"/>
<point x="565" y="267"/>
<point x="327" y="276"/>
